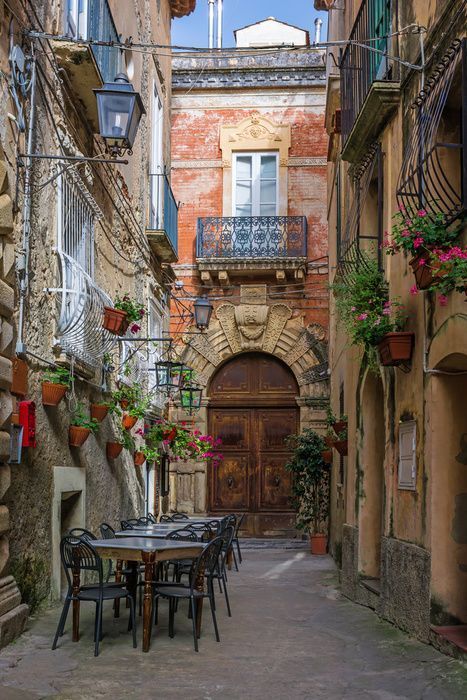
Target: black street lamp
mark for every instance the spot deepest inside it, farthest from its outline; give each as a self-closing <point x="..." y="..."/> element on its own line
<point x="203" y="311"/>
<point x="190" y="398"/>
<point x="169" y="375"/>
<point x="120" y="109"/>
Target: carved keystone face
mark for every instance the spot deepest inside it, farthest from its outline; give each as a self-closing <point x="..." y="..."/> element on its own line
<point x="251" y="320"/>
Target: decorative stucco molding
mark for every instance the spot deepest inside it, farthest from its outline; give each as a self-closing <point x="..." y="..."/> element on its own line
<point x="254" y="133"/>
<point x="226" y="316"/>
<point x="278" y="317"/>
<point x="295" y="162"/>
<point x="197" y="164"/>
<point x="202" y="344"/>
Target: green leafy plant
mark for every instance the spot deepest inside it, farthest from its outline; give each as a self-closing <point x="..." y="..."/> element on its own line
<point x="311" y="481"/>
<point x="83" y="420"/>
<point x="330" y="416"/>
<point x="125" y="438"/>
<point x="364" y="307"/>
<point x="451" y="271"/>
<point x="132" y="394"/>
<point x="139" y="408"/>
<point x="417" y="230"/>
<point x="182" y="443"/>
<point x="57" y="375"/>
<point x="133" y="309"/>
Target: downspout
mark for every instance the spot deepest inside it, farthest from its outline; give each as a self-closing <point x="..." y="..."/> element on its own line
<point x="22" y="261"/>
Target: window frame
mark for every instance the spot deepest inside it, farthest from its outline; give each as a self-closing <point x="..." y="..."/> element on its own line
<point x="407" y="428"/>
<point x="156" y="167"/>
<point x="255" y="180"/>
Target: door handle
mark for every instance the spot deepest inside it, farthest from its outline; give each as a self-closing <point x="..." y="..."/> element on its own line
<point x="230" y="482"/>
<point x="277" y="480"/>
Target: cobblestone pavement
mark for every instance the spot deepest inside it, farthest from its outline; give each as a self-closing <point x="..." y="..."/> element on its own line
<point x="292" y="636"/>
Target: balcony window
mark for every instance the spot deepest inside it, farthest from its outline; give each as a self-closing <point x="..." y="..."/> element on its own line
<point x="86" y="19"/>
<point x="434" y="170"/>
<point x="255" y="184"/>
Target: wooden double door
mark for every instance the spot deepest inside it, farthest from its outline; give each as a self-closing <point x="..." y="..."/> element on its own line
<point x="253" y="410"/>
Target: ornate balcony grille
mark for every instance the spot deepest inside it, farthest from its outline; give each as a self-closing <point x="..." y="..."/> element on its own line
<point x="133" y="365"/>
<point x="360" y="65"/>
<point x="80" y="309"/>
<point x="434" y="171"/>
<point x="363" y="227"/>
<point x="244" y="237"/>
<point x="163" y="213"/>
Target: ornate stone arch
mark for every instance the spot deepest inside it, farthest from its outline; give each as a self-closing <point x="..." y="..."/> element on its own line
<point x="255" y="133"/>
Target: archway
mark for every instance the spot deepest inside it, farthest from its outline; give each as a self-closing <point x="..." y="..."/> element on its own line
<point x="372" y="477"/>
<point x="253" y="408"/>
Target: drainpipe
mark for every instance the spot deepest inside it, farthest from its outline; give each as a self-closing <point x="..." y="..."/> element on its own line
<point x="219" y="23"/>
<point x="22" y="262"/>
<point x="211" y="23"/>
<point x="318" y="25"/>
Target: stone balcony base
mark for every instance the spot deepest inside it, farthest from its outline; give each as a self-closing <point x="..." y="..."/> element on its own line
<point x="220" y="270"/>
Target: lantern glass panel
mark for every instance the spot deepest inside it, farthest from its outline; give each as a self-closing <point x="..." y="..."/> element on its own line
<point x="203" y="311"/>
<point x="115" y="109"/>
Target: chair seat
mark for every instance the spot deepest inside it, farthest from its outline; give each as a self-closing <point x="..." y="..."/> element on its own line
<point x="180" y="591"/>
<point x="109" y="593"/>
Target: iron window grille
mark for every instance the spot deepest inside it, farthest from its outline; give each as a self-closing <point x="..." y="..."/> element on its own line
<point x="362" y="231"/>
<point x="133" y="367"/>
<point x="434" y="170"/>
<point x="86" y="19"/>
<point x="360" y="66"/>
<point x="157" y="327"/>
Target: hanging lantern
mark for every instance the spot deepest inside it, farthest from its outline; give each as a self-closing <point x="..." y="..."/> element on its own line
<point x="190" y="398"/>
<point x="169" y="375"/>
<point x="203" y="311"/>
<point x="120" y="109"/>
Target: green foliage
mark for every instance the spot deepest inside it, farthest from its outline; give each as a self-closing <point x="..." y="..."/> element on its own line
<point x="83" y="420"/>
<point x="364" y="307"/>
<point x="415" y="231"/>
<point x="131" y="393"/>
<point x="134" y="310"/>
<point x="125" y="438"/>
<point x="311" y="481"/>
<point x="30" y="574"/>
<point x="57" y="375"/>
<point x="450" y="267"/>
<point x="139" y="408"/>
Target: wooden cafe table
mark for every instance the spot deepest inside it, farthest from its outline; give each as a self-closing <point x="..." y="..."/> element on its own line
<point x="149" y="551"/>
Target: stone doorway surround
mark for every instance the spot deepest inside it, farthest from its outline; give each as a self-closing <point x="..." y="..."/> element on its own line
<point x="67" y="481"/>
<point x="252" y="324"/>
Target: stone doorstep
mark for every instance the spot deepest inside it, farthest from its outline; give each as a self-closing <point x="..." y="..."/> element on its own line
<point x="12" y="624"/>
<point x="10" y="597"/>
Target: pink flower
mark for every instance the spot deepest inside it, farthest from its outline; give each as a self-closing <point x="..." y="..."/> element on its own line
<point x="134" y="328"/>
<point x="443" y="300"/>
<point x="418" y="241"/>
<point x="414" y="290"/>
<point x="422" y="261"/>
<point x="421" y="212"/>
<point x="378" y="321"/>
<point x="401" y="207"/>
<point x="140" y="431"/>
<point x="353" y="308"/>
<point x="405" y="233"/>
<point x="362" y="317"/>
<point x="387" y="311"/>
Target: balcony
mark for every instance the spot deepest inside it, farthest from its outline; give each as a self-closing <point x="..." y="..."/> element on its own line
<point x="237" y="244"/>
<point x="369" y="79"/>
<point x="162" y="231"/>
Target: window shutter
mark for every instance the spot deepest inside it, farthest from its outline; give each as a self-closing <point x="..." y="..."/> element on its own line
<point x="407" y="455"/>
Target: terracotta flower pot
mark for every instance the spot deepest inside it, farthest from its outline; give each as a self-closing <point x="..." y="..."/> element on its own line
<point x="77" y="435"/>
<point x="52" y="394"/>
<point x="128" y="422"/>
<point x="327" y="456"/>
<point x="124" y="403"/>
<point x="329" y="441"/>
<point x="99" y="411"/>
<point x="427" y="273"/>
<point x="113" y="449"/>
<point x="139" y="458"/>
<point x="396" y="348"/>
<point x="115" y="321"/>
<point x="339" y="426"/>
<point x="341" y="446"/>
<point x="318" y="544"/>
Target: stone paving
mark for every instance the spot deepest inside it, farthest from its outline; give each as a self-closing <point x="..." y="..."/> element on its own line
<point x="292" y="636"/>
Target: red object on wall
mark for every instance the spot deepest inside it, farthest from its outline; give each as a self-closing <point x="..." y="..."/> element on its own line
<point x="27" y="418"/>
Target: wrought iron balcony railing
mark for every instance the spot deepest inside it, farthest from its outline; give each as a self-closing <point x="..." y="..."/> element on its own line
<point x="163" y="213"/>
<point x="93" y="19"/>
<point x="365" y="62"/>
<point x="245" y="237"/>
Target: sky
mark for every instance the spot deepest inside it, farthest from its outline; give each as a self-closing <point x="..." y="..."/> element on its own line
<point x="193" y="30"/>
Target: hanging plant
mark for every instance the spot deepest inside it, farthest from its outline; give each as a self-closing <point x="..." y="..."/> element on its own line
<point x="133" y="309"/>
<point x="451" y="266"/>
<point x="125" y="397"/>
<point x="139" y="458"/>
<point x="55" y="383"/>
<point x="182" y="443"/>
<point x="115" y="321"/>
<point x="124" y="441"/>
<point x="365" y="310"/>
<point x="136" y="411"/>
<point x="81" y="426"/>
<point x="99" y="411"/>
<point x="340" y="443"/>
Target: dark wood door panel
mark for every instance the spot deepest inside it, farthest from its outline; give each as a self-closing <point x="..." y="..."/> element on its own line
<point x="275" y="482"/>
<point x="230" y="484"/>
<point x="274" y="378"/>
<point x="233" y="380"/>
<point x="274" y="426"/>
<point x="232" y="427"/>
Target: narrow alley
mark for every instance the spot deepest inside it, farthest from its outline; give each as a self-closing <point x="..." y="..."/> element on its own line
<point x="292" y="636"/>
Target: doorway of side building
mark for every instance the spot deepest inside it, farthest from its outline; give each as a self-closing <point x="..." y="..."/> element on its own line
<point x="252" y="409"/>
<point x="370" y="525"/>
<point x="447" y="449"/>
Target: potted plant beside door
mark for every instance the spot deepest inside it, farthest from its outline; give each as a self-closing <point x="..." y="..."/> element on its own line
<point x="310" y="491"/>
